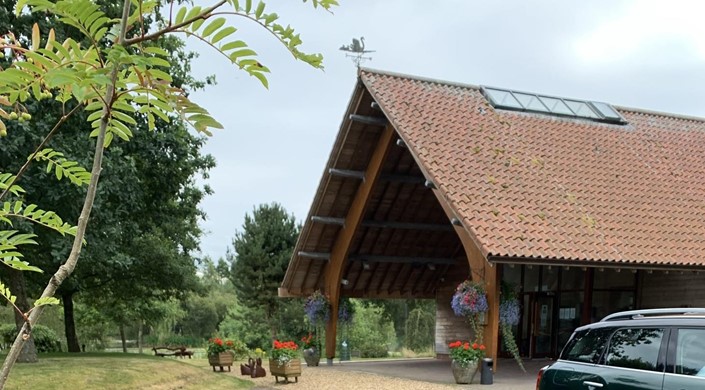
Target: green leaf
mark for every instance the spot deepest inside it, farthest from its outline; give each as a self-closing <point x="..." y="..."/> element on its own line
<point x="214" y="25"/>
<point x="180" y="15"/>
<point x="46" y="301"/>
<point x="22" y="265"/>
<point x="259" y="10"/>
<point x="248" y="6"/>
<point x="233" y="45"/>
<point x="223" y="33"/>
<point x="262" y="78"/>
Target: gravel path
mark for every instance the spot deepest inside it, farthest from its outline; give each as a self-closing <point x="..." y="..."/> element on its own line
<point x="335" y="377"/>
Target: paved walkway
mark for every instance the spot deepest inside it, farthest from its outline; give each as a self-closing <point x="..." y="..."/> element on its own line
<point x="508" y="375"/>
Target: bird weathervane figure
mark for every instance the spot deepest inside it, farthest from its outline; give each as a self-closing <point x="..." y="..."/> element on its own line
<point x="356" y="51"/>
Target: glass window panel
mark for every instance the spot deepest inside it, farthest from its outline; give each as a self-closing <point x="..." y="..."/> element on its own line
<point x="610" y="278"/>
<point x="531" y="278"/>
<point x="530" y="102"/>
<point x="569" y="314"/>
<point x="549" y="280"/>
<point x="572" y="279"/>
<point x="581" y="109"/>
<point x="606" y="110"/>
<point x="503" y="98"/>
<point x="586" y="346"/>
<point x="635" y="348"/>
<point x="512" y="274"/>
<point x="690" y="352"/>
<point x="556" y="106"/>
<point x="608" y="302"/>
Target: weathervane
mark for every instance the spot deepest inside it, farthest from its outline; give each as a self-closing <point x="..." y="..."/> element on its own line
<point x="356" y="51"/>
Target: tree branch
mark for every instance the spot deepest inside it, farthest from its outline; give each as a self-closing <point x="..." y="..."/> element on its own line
<point x="46" y="139"/>
<point x="67" y="268"/>
<point x="150" y="37"/>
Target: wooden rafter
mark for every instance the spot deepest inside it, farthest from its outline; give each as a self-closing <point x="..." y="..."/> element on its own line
<point x="346" y="234"/>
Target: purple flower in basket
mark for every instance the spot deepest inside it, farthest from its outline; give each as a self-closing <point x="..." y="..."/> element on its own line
<point x="509" y="312"/>
<point x="469" y="299"/>
<point x="317" y="308"/>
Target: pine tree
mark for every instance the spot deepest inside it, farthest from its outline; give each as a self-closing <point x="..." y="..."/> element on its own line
<point x="261" y="254"/>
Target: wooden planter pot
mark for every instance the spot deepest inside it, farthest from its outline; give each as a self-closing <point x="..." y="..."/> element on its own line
<point x="223" y="359"/>
<point x="293" y="369"/>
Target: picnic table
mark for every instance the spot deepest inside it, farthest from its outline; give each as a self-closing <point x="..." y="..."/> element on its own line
<point x="181" y="352"/>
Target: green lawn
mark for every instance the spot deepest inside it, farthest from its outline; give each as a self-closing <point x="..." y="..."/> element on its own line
<point x="119" y="371"/>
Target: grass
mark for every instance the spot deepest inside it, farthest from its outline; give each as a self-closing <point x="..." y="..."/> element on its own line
<point x="119" y="371"/>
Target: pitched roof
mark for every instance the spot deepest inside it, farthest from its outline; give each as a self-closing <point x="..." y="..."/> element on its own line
<point x="537" y="186"/>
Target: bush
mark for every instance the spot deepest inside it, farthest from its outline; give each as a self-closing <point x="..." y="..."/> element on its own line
<point x="373" y="351"/>
<point x="370" y="333"/>
<point x="45" y="339"/>
<point x="420" y="328"/>
<point x="173" y="340"/>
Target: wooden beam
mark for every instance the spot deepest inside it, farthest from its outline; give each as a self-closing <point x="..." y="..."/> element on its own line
<point x="328" y="220"/>
<point x="315" y="255"/>
<point x="346" y="234"/>
<point x="394" y="177"/>
<point x="409" y="225"/>
<point x="369" y="120"/>
<point x="387" y="224"/>
<point x="347" y="173"/>
<point x="402" y="259"/>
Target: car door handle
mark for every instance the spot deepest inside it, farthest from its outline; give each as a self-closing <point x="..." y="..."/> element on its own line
<point x="593" y="385"/>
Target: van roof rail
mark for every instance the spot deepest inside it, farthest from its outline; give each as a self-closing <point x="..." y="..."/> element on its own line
<point x="634" y="314"/>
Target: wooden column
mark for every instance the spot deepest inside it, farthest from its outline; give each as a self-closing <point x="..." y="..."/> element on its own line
<point x="482" y="271"/>
<point x="341" y="248"/>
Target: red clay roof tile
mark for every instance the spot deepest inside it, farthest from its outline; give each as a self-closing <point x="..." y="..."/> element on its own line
<point x="537" y="186"/>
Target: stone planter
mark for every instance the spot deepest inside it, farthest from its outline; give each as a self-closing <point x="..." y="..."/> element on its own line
<point x="464" y="375"/>
<point x="293" y="369"/>
<point x="312" y="357"/>
<point x="223" y="359"/>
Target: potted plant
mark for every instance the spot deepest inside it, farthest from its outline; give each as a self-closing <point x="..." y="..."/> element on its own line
<point x="311" y="346"/>
<point x="470" y="301"/>
<point x="465" y="360"/>
<point x="285" y="360"/>
<point x="221" y="353"/>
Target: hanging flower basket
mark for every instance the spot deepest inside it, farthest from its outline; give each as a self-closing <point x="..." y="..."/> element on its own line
<point x="317" y="308"/>
<point x="470" y="301"/>
<point x="509" y="311"/>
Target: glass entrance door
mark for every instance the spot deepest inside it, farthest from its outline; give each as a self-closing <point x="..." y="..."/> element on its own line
<point x="542" y="325"/>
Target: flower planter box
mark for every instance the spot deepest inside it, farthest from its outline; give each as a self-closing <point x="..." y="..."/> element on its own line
<point x="293" y="369"/>
<point x="223" y="359"/>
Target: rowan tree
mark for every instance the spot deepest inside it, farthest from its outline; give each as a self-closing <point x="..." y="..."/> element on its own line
<point x="122" y="73"/>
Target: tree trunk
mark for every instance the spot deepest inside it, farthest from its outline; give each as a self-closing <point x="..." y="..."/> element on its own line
<point x="139" y="337"/>
<point x="122" y="338"/>
<point x="70" y="323"/>
<point x="28" y="354"/>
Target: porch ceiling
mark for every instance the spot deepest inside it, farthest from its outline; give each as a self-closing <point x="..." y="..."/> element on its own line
<point x="405" y="245"/>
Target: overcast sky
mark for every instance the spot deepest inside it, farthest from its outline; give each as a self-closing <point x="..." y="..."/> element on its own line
<point x="643" y="54"/>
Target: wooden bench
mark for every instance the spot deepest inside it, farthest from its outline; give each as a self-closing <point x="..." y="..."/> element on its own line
<point x="172" y="351"/>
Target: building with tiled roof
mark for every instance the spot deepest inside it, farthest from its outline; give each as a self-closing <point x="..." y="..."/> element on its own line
<point x="586" y="208"/>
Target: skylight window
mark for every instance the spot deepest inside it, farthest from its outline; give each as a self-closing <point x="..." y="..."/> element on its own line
<point x="523" y="101"/>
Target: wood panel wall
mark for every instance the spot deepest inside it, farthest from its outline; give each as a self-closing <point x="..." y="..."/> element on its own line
<point x="449" y="327"/>
<point x="673" y="289"/>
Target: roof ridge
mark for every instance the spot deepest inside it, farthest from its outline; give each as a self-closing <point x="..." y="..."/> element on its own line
<point x="659" y="113"/>
<point x="418" y="78"/>
<point x="478" y="87"/>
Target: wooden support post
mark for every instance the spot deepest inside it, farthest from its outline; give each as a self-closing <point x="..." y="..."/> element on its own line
<point x="482" y="271"/>
<point x="341" y="248"/>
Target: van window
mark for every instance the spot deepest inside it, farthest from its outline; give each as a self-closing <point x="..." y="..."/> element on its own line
<point x="586" y="346"/>
<point x="635" y="348"/>
<point x="690" y="352"/>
